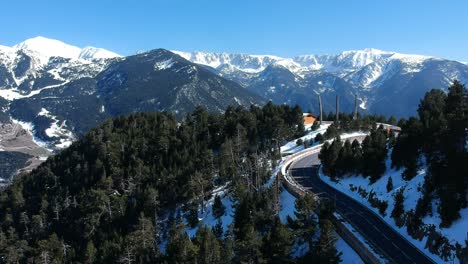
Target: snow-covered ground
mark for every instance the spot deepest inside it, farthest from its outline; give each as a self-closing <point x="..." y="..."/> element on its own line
<point x="412" y="192"/>
<point x="349" y="255"/>
<point x="58" y="130"/>
<point x="207" y="218"/>
<point x="292" y="147"/>
<point x="29" y="127"/>
<point x="456" y="233"/>
<point x="287" y="207"/>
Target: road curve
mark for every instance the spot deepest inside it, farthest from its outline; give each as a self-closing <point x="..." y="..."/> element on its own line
<point x="396" y="249"/>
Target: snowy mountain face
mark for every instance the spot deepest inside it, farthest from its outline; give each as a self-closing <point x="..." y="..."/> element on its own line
<point x="42" y="73"/>
<point x="32" y="76"/>
<point x="48" y="48"/>
<point x="59" y="91"/>
<point x="373" y="75"/>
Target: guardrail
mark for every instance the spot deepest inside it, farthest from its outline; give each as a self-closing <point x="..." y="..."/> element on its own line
<point x="296" y="189"/>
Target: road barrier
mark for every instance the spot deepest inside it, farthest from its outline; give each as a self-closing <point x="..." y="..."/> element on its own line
<point x="297" y="190"/>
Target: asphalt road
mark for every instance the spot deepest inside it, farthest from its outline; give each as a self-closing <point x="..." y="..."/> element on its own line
<point x="394" y="247"/>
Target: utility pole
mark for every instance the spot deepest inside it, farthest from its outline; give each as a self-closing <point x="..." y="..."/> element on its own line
<point x="337" y="118"/>
<point x="355" y="107"/>
<point x="320" y="108"/>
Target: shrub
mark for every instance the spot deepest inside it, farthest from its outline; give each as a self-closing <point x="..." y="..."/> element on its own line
<point x="299" y="142"/>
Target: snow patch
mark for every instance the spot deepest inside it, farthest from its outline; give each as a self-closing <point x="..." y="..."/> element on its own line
<point x="287" y="203"/>
<point x="207" y="218"/>
<point x="363" y="103"/>
<point x="163" y="65"/>
<point x="58" y="130"/>
<point x="14" y="94"/>
<point x="291" y="146"/>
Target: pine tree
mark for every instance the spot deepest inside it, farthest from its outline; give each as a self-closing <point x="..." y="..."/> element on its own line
<point x="315" y="126"/>
<point x="305" y="224"/>
<point x="324" y="250"/>
<point x="142" y="240"/>
<point x="218" y="207"/>
<point x="449" y="208"/>
<point x="357" y="156"/>
<point x="278" y="244"/>
<point x="180" y="248"/>
<point x="456" y="109"/>
<point x="228" y="246"/>
<point x="431" y="112"/>
<point x="319" y="138"/>
<point x="389" y="184"/>
<point x="209" y="250"/>
<point x="398" y="209"/>
<point x="329" y="155"/>
<point x="248" y="248"/>
<point x="50" y="250"/>
<point x="242" y="218"/>
<point x="90" y="253"/>
<point x="218" y="229"/>
<point x="374" y="148"/>
<point x="192" y="215"/>
<point x="345" y="160"/>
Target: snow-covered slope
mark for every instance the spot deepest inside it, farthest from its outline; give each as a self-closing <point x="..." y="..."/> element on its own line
<point x="341" y="63"/>
<point x="48" y="48"/>
<point x="38" y="66"/>
<point x="360" y="188"/>
<point x="90" y="53"/>
<point x="378" y="77"/>
<point x="230" y="62"/>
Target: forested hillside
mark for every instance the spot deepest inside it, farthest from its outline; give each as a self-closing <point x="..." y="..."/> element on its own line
<point x="433" y="144"/>
<point x="124" y="192"/>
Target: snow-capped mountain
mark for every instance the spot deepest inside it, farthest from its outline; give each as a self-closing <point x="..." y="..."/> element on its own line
<point x="341" y="64"/>
<point x="37" y="63"/>
<point x="48" y="48"/>
<point x="242" y="62"/>
<point x="60" y="91"/>
<point x="79" y="87"/>
<point x="385" y="82"/>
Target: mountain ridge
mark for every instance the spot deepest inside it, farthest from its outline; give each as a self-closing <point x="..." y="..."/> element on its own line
<point x="56" y="48"/>
<point x="106" y="84"/>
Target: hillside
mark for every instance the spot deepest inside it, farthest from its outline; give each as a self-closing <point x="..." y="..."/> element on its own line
<point x="129" y="187"/>
<point x="415" y="181"/>
<point x="62" y="91"/>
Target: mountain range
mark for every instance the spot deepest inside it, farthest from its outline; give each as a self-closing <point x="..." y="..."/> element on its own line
<point x="385" y="82"/>
<point x="58" y="91"/>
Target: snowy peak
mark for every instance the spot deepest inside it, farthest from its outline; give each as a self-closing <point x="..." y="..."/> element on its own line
<point x="355" y="59"/>
<point x="361" y="58"/>
<point x="241" y="62"/>
<point x="46" y="48"/>
<point x="342" y="63"/>
<point x="89" y="53"/>
<point x="49" y="47"/>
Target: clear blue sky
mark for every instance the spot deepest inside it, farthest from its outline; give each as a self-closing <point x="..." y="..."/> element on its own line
<point x="279" y="27"/>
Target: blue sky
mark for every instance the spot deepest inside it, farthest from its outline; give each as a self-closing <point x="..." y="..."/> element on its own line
<point x="278" y="27"/>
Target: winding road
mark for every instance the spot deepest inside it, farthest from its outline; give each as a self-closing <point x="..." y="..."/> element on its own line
<point x="385" y="239"/>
